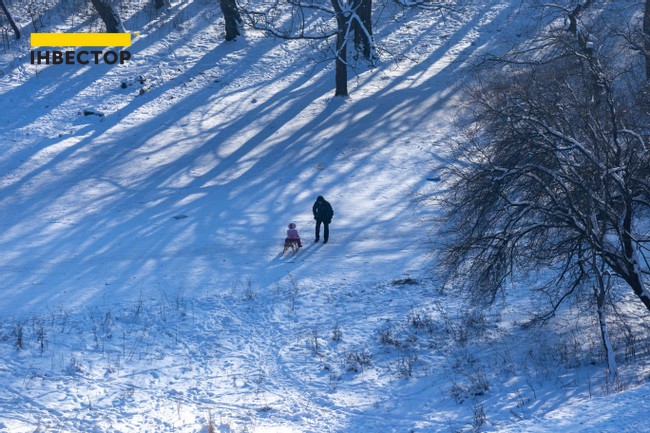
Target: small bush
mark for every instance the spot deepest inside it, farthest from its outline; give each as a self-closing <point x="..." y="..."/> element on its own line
<point x="405" y="364"/>
<point x="18" y="333"/>
<point x="337" y="334"/>
<point x="387" y="337"/>
<point x="357" y="361"/>
<point x="420" y="321"/>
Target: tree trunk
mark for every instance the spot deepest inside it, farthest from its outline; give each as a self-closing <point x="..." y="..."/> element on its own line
<point x="232" y="17"/>
<point x="604" y="334"/>
<point x="341" y="51"/>
<point x="161" y="3"/>
<point x="646" y="38"/>
<point x="600" y="291"/>
<point x="627" y="265"/>
<point x="632" y="276"/>
<point x="341" y="60"/>
<point x="363" y="29"/>
<point x="109" y="15"/>
<point x="633" y="267"/>
<point x="10" y="18"/>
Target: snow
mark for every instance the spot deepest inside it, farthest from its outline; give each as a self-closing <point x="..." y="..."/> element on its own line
<point x="143" y="285"/>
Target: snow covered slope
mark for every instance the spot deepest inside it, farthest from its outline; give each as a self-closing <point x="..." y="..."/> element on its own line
<point x="142" y="283"/>
<point x="190" y="185"/>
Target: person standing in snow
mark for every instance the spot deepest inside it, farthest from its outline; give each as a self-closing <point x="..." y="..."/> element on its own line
<point x="323" y="213"/>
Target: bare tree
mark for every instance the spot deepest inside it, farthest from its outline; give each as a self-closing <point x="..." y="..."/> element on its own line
<point x="109" y="15"/>
<point x="10" y="18"/>
<point x="352" y="23"/>
<point x="556" y="176"/>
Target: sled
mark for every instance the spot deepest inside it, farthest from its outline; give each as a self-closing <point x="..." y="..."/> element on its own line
<point x="291" y="244"/>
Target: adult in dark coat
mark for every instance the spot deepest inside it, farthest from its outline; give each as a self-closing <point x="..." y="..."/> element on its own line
<point x="323" y="213"/>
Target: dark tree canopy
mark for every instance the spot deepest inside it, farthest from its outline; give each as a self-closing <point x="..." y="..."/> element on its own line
<point x="556" y="176"/>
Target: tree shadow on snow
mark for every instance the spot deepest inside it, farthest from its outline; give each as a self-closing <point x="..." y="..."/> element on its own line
<point x="237" y="158"/>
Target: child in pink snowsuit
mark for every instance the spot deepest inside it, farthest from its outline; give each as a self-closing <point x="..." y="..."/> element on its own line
<point x="293" y="236"/>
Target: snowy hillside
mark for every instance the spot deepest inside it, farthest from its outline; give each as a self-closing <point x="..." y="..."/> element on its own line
<point x="143" y="284"/>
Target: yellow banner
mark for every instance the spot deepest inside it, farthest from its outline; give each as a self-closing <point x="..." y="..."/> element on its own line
<point x="81" y="39"/>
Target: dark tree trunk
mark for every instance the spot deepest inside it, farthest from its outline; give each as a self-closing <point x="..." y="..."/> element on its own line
<point x="363" y="30"/>
<point x="341" y="51"/>
<point x="232" y="17"/>
<point x="626" y="265"/>
<point x="341" y="66"/>
<point x="600" y="293"/>
<point x="634" y="280"/>
<point x="10" y="18"/>
<point x="646" y="38"/>
<point x="633" y="273"/>
<point x="161" y="3"/>
<point x="109" y="15"/>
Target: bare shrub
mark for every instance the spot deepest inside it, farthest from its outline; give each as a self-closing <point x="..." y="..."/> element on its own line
<point x="337" y="334"/>
<point x="405" y="363"/>
<point x="357" y="361"/>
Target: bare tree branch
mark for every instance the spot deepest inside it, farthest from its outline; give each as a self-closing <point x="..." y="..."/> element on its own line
<point x="556" y="177"/>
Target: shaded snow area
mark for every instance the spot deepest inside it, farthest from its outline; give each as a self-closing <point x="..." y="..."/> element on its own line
<point x="143" y="285"/>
